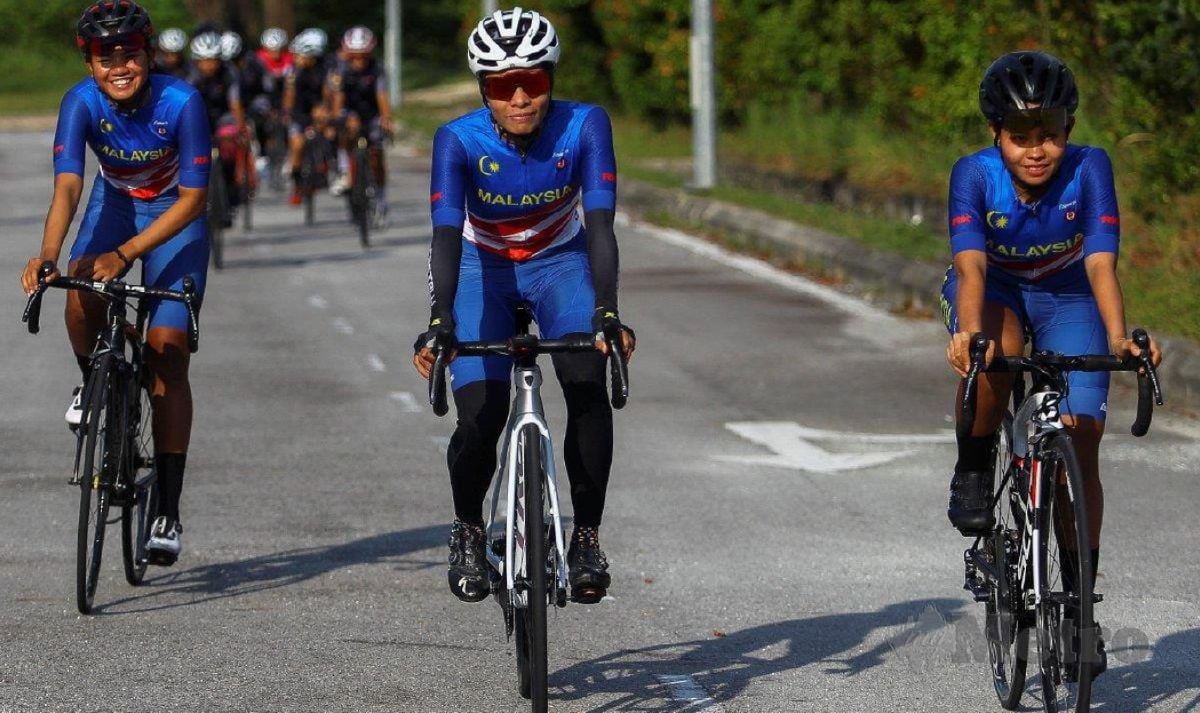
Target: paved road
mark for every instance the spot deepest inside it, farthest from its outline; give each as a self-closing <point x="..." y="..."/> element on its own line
<point x="317" y="505"/>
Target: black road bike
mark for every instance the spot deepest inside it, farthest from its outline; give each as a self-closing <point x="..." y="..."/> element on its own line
<point x="317" y="155"/>
<point x="360" y="198"/>
<point x="1033" y="570"/>
<point x="527" y="554"/>
<point x="218" y="209"/>
<point x="114" y="465"/>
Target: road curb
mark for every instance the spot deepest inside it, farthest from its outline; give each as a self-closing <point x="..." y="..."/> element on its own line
<point x="884" y="279"/>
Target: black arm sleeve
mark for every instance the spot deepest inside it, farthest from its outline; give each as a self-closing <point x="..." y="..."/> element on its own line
<point x="445" y="254"/>
<point x="603" y="256"/>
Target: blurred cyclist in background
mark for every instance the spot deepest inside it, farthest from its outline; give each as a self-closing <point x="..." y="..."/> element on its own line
<point x="306" y="96"/>
<point x="361" y="97"/>
<point x="169" y="58"/>
<point x="219" y="88"/>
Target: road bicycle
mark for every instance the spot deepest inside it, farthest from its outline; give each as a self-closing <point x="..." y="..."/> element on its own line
<point x="360" y="197"/>
<point x="527" y="555"/>
<point x="218" y="208"/>
<point x="1028" y="570"/>
<point x="317" y="155"/>
<point x="114" y="465"/>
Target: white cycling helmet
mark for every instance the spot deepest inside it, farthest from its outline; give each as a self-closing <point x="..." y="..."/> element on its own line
<point x="231" y="45"/>
<point x="511" y="39"/>
<point x="358" y="39"/>
<point x="273" y="39"/>
<point x="172" y="39"/>
<point x="206" y="45"/>
<point x="310" y="43"/>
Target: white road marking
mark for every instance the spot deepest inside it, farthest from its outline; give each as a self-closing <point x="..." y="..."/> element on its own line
<point x="406" y="400"/>
<point x="758" y="268"/>
<point x="318" y="301"/>
<point x="341" y="325"/>
<point x="376" y="363"/>
<point x="789" y="442"/>
<point x="685" y="689"/>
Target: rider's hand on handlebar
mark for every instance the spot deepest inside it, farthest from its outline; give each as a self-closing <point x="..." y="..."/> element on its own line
<point x="29" y="276"/>
<point x="958" y="353"/>
<point x="604" y="320"/>
<point x="439" y="334"/>
<point x="1124" y="348"/>
<point x="105" y="267"/>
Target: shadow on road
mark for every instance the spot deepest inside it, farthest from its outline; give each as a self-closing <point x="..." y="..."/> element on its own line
<point x="724" y="666"/>
<point x="1151" y="679"/>
<point x="282" y="569"/>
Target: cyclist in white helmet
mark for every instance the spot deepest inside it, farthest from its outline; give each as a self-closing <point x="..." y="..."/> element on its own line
<point x="361" y="98"/>
<point x="523" y="194"/>
<point x="169" y="58"/>
<point x="306" y="101"/>
<point x="220" y="88"/>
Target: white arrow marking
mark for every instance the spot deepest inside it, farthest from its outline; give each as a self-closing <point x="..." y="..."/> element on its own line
<point x="786" y="440"/>
<point x="406" y="400"/>
<point x="341" y="325"/>
<point x="376" y="363"/>
<point x="318" y="301"/>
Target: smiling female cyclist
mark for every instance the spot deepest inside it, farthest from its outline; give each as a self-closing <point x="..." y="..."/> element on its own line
<point x="523" y="193"/>
<point x="150" y="136"/>
<point x="1034" y="230"/>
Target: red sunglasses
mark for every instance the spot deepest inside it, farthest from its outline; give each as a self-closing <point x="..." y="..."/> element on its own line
<point x="502" y="87"/>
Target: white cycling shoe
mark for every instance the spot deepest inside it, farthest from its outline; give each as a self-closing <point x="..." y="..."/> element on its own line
<point x="166" y="540"/>
<point x="340" y="185"/>
<point x="75" y="410"/>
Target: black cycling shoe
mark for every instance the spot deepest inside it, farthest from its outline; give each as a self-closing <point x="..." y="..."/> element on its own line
<point x="1099" y="658"/>
<point x="970" y="507"/>
<point x="588" y="566"/>
<point x="468" y="576"/>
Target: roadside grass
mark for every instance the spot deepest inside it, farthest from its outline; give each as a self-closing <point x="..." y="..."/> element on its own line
<point x="33" y="79"/>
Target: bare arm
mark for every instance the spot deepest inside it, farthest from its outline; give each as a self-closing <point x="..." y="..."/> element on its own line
<point x="68" y="188"/>
<point x="1102" y="274"/>
<point x="970" y="267"/>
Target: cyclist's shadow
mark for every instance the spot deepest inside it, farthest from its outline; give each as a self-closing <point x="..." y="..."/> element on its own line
<point x="724" y="666"/>
<point x="1165" y="676"/>
<point x="281" y="569"/>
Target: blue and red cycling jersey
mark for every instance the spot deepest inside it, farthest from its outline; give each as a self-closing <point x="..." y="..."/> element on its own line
<point x="144" y="157"/>
<point x="1035" y="254"/>
<point x="516" y="205"/>
<point x="144" y="154"/>
<point x="1047" y="241"/>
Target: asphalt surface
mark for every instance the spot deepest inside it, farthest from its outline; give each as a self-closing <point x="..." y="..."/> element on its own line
<point x="317" y="504"/>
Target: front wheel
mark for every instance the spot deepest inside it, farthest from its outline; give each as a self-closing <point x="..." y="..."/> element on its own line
<point x="1007" y="622"/>
<point x="218" y="209"/>
<point x="1065" y="629"/>
<point x="100" y="456"/>
<point x="530" y="621"/>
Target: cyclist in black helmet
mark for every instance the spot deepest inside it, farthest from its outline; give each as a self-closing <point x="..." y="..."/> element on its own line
<point x="1034" y="231"/>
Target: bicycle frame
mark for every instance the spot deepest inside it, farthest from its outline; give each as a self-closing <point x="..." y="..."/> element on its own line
<point x="526" y="410"/>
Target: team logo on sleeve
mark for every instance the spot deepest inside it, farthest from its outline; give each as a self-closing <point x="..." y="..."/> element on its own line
<point x="560" y="160"/>
<point x="488" y="166"/>
<point x="105" y="126"/>
<point x="160" y="127"/>
<point x="997" y="220"/>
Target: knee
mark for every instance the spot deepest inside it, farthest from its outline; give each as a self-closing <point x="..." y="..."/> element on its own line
<point x="168" y="358"/>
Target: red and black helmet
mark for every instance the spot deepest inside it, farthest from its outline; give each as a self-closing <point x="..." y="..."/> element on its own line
<point x="113" y="22"/>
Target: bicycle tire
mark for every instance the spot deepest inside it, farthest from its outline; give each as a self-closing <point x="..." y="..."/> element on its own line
<point x="98" y="437"/>
<point x="247" y="202"/>
<point x="218" y="207"/>
<point x="138" y="513"/>
<point x="1006" y="623"/>
<point x="361" y="192"/>
<point x="307" y="188"/>
<point x="1059" y="666"/>
<point x="531" y="627"/>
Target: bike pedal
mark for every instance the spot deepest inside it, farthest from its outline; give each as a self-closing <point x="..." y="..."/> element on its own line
<point x="1097" y="598"/>
<point x="160" y="558"/>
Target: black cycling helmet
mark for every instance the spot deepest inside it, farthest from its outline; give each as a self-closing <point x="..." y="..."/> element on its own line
<point x="110" y="22"/>
<point x="1019" y="81"/>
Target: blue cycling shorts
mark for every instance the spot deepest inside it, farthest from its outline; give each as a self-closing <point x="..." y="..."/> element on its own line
<point x="557" y="285"/>
<point x="1065" y="320"/>
<point x="112" y="217"/>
